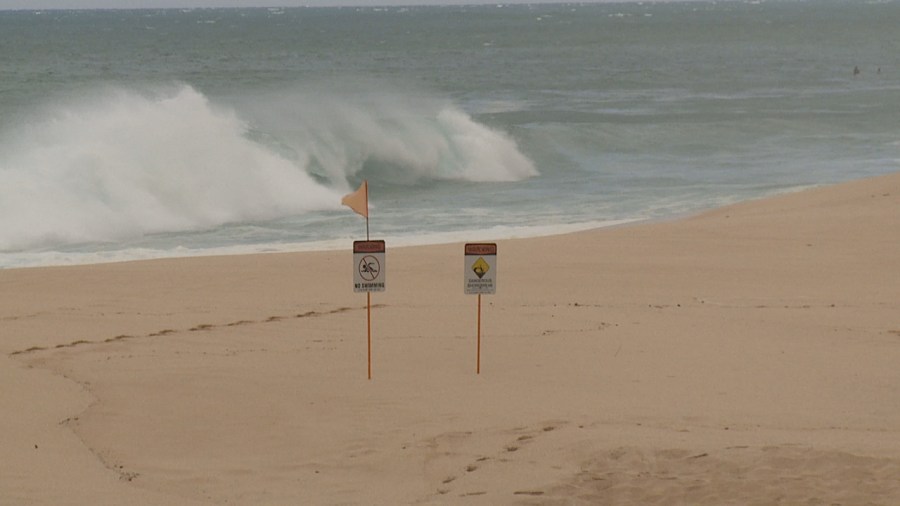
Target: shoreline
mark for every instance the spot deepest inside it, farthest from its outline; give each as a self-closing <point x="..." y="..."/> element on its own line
<point x="65" y="259"/>
<point x="29" y="260"/>
<point x="743" y="353"/>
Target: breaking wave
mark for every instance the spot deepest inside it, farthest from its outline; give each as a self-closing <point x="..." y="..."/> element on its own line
<point x="123" y="163"/>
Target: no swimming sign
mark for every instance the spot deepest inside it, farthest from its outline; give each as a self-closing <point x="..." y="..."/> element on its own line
<point x="368" y="266"/>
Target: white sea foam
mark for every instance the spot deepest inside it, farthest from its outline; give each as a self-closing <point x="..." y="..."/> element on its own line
<point x="130" y="165"/>
<point x="124" y="164"/>
<point x="495" y="233"/>
<point x="349" y="130"/>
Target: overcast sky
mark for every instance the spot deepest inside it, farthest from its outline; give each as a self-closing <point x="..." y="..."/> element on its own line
<point x="159" y="4"/>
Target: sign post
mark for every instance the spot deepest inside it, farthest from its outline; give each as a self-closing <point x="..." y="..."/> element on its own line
<point x="368" y="276"/>
<point x="480" y="276"/>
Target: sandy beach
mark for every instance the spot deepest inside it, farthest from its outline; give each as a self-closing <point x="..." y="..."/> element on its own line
<point x="748" y="355"/>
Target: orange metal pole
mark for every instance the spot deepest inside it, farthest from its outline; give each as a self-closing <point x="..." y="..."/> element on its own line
<point x="478" y="360"/>
<point x="369" y="328"/>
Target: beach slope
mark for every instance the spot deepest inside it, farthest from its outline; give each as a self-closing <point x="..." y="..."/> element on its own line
<point x="747" y="355"/>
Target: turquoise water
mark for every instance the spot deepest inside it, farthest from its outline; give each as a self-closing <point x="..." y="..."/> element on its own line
<point x="150" y="133"/>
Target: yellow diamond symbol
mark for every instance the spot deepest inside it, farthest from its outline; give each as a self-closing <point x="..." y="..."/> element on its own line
<point x="480" y="267"/>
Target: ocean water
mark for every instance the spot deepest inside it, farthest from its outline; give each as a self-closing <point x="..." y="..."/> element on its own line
<point x="150" y="133"/>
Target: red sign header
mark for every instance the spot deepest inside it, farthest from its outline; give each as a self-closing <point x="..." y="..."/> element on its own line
<point x="481" y="249"/>
<point x="368" y="246"/>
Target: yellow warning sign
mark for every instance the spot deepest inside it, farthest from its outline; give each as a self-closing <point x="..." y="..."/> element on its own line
<point x="480" y="267"/>
<point x="480" y="275"/>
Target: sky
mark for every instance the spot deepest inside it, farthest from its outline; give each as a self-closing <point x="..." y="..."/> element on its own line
<point x="162" y="4"/>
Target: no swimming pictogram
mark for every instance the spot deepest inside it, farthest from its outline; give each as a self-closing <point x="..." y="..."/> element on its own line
<point x="369" y="267"/>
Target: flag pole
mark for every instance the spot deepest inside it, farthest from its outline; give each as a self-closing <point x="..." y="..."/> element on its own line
<point x="368" y="294"/>
<point x="352" y="200"/>
<point x="366" y="182"/>
<point x="478" y="359"/>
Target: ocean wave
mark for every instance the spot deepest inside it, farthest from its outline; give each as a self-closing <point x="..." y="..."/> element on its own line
<point x="124" y="163"/>
<point x="348" y="131"/>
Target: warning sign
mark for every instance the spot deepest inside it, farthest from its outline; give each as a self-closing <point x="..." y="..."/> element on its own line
<point x="480" y="269"/>
<point x="368" y="266"/>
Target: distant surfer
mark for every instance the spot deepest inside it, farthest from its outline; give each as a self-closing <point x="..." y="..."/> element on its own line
<point x="855" y="70"/>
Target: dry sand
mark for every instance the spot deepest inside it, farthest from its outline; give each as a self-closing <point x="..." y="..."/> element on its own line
<point x="749" y="355"/>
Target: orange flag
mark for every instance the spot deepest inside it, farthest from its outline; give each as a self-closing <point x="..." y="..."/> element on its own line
<point x="358" y="200"/>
